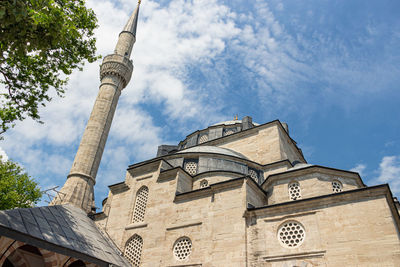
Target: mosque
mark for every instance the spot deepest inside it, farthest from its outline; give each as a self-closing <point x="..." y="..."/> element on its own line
<point x="235" y="194"/>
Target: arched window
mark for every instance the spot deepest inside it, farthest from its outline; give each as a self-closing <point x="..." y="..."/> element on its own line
<point x="294" y="191"/>
<point x="133" y="250"/>
<point x="203" y="138"/>
<point x="337" y="187"/>
<point x="191" y="166"/>
<point x="140" y="204"/>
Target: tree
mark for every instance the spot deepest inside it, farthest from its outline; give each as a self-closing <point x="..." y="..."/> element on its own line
<point x="41" y="43"/>
<point x="17" y="189"/>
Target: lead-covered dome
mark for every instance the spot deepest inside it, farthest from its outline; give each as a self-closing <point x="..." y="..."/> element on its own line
<point x="232" y="123"/>
<point x="212" y="149"/>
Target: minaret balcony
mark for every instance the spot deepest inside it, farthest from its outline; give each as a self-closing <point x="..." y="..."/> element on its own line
<point x="117" y="65"/>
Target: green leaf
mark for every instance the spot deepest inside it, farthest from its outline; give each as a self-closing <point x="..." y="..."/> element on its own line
<point x="39" y="40"/>
<point x="17" y="189"/>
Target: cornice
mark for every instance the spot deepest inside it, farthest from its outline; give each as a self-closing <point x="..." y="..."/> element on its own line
<point x="308" y="170"/>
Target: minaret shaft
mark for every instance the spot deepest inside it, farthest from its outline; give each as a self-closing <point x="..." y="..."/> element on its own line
<point x="90" y="151"/>
<point x="115" y="74"/>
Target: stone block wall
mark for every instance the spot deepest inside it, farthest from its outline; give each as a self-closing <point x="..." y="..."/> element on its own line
<point x="311" y="185"/>
<point x="347" y="233"/>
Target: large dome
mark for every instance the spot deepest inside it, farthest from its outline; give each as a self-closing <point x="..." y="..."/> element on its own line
<point x="232" y="123"/>
<point x="212" y="149"/>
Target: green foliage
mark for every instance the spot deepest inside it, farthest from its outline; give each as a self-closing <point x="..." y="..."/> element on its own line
<point x="17" y="189"/>
<point x="41" y="43"/>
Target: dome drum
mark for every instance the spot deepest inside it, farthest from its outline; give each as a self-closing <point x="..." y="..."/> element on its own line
<point x="202" y="164"/>
<point x="217" y="131"/>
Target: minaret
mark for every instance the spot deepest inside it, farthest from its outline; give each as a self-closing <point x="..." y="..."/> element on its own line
<point x="115" y="73"/>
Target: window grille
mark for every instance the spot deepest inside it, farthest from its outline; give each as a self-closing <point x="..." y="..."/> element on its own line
<point x="133" y="250"/>
<point x="337" y="187"/>
<point x="254" y="175"/>
<point x="229" y="131"/>
<point x="191" y="167"/>
<point x="203" y="183"/>
<point x="203" y="138"/>
<point x="182" y="248"/>
<point x="291" y="234"/>
<point x="294" y="191"/>
<point x="140" y="204"/>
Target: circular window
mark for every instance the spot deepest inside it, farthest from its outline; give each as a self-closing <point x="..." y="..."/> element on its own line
<point x="337" y="187"/>
<point x="291" y="234"/>
<point x="203" y="183"/>
<point x="294" y="191"/>
<point x="182" y="248"/>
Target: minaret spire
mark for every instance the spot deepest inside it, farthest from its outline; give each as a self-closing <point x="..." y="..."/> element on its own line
<point x="115" y="73"/>
<point x="131" y="25"/>
<point x="127" y="37"/>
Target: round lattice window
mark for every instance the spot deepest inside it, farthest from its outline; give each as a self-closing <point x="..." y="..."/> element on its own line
<point x="337" y="187"/>
<point x="203" y="183"/>
<point x="203" y="138"/>
<point x="182" y="248"/>
<point x="253" y="174"/>
<point x="294" y="191"/>
<point x="191" y="167"/>
<point x="291" y="234"/>
<point x="133" y="250"/>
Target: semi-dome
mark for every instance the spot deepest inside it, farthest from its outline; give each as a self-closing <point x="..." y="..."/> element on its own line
<point x="212" y="149"/>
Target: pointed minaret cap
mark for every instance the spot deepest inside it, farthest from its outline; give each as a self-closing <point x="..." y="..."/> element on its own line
<point x="131" y="25"/>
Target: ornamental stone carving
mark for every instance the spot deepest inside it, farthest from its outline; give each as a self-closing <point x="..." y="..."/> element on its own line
<point x="117" y="65"/>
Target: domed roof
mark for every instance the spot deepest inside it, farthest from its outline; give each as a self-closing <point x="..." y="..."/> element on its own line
<point x="212" y="149"/>
<point x="232" y="123"/>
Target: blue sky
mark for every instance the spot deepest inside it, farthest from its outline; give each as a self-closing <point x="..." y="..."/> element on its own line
<point x="330" y="69"/>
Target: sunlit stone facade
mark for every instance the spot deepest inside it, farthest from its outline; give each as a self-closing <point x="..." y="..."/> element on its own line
<point x="249" y="198"/>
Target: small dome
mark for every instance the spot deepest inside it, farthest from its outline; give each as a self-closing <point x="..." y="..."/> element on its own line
<point x="212" y="149"/>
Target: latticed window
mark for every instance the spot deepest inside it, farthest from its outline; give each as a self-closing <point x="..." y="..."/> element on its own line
<point x="229" y="131"/>
<point x="140" y="204"/>
<point x="253" y="174"/>
<point x="133" y="250"/>
<point x="291" y="234"/>
<point x="203" y="183"/>
<point x="182" y="248"/>
<point x="337" y="187"/>
<point x="294" y="191"/>
<point x="203" y="138"/>
<point x="191" y="167"/>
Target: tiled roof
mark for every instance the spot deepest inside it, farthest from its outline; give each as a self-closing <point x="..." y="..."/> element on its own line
<point x="64" y="229"/>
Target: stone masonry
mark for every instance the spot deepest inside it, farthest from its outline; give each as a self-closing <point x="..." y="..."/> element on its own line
<point x="115" y="74"/>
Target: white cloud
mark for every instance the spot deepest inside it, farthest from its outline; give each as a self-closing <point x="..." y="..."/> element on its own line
<point x="359" y="168"/>
<point x="177" y="40"/>
<point x="389" y="172"/>
<point x="3" y="155"/>
<point x="170" y="40"/>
